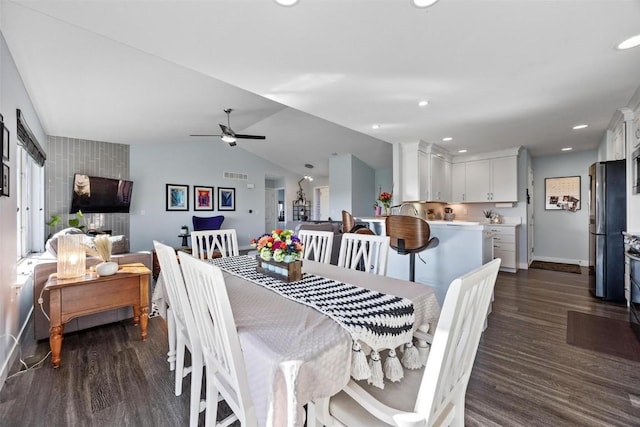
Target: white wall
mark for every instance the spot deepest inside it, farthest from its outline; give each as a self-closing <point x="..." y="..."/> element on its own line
<point x="197" y="163"/>
<point x="15" y="305"/>
<point x="352" y="185"/>
<point x="562" y="236"/>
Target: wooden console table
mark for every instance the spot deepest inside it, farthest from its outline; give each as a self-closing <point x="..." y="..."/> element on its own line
<point x="89" y="294"/>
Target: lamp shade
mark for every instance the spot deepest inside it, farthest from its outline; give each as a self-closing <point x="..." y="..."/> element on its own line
<point x="71" y="256"/>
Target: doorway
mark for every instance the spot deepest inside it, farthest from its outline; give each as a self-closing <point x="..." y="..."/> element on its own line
<point x="320" y="203"/>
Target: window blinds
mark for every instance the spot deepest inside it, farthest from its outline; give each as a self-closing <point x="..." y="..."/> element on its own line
<point x="28" y="141"/>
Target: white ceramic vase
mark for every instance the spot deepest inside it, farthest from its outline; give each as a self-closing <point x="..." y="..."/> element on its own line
<point x="107" y="268"/>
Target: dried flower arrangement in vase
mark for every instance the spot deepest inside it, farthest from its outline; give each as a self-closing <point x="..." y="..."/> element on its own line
<point x="102" y="250"/>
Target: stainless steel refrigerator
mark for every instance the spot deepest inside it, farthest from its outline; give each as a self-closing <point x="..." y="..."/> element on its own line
<point x="607" y="220"/>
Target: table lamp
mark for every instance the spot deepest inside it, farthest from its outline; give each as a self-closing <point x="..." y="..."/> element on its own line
<point x="71" y="256"/>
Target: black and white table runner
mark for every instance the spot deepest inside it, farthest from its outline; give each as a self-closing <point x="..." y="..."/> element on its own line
<point x="376" y="319"/>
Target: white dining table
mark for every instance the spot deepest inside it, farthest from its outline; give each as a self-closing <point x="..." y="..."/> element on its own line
<point x="293" y="353"/>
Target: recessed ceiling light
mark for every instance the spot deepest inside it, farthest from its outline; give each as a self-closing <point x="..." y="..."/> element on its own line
<point x="448" y="138"/>
<point x="581" y="126"/>
<point x="375" y="127"/>
<point x="308" y="165"/>
<point x="286" y="2"/>
<point x="462" y="151"/>
<point x="630" y="42"/>
<point x="423" y="103"/>
<point x="567" y="149"/>
<point x="424" y="3"/>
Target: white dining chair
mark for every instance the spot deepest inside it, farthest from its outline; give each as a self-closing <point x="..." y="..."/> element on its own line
<point x="317" y="245"/>
<point x="435" y="394"/>
<point x="205" y="242"/>
<point x="366" y="251"/>
<point x="183" y="329"/>
<point x="226" y="372"/>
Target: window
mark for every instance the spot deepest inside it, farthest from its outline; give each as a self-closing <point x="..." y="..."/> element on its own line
<point x="30" y="199"/>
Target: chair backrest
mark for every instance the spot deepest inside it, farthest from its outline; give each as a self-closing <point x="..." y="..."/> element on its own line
<point x="455" y="343"/>
<point x="407" y="233"/>
<point x="177" y="292"/>
<point x="207" y="223"/>
<point x="364" y="250"/>
<point x="204" y="243"/>
<point x="218" y="334"/>
<point x="316" y="243"/>
<point x="347" y="222"/>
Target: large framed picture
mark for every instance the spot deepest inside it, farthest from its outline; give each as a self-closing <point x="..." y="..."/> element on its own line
<point x="562" y="193"/>
<point x="226" y="199"/>
<point x="5" y="180"/>
<point x="177" y="197"/>
<point x="202" y="198"/>
<point x="5" y="142"/>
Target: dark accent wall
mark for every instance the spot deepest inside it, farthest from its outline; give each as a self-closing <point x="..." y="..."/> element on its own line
<point x="66" y="156"/>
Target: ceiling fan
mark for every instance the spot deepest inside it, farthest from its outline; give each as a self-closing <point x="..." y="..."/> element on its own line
<point x="229" y="136"/>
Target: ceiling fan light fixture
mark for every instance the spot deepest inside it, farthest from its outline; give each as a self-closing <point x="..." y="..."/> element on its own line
<point x="228" y="138"/>
<point x="423" y="3"/>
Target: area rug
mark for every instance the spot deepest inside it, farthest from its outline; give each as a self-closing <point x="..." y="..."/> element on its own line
<point x="556" y="266"/>
<point x="601" y="334"/>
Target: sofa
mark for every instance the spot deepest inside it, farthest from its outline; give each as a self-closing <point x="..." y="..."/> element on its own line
<point x="41" y="273"/>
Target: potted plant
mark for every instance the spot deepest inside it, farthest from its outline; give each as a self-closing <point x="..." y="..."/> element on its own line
<point x="73" y="222"/>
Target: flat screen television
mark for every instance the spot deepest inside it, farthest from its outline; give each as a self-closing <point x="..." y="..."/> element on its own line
<point x="92" y="194"/>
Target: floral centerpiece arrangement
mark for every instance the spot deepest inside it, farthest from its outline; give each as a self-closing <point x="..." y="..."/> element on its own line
<point x="281" y="246"/>
<point x="385" y="199"/>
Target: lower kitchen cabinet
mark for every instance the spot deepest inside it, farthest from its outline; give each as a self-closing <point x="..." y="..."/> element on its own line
<point x="505" y="245"/>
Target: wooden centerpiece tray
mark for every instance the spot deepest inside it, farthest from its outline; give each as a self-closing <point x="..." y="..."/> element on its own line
<point x="285" y="271"/>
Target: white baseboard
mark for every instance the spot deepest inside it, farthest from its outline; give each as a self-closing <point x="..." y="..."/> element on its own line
<point x="13" y="354"/>
<point x="580" y="262"/>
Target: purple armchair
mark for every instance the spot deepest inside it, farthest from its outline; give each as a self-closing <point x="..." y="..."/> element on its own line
<point x="207" y="223"/>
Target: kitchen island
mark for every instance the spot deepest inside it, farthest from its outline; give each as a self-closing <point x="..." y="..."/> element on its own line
<point x="464" y="245"/>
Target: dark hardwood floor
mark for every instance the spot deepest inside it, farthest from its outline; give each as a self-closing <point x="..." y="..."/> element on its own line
<point x="525" y="374"/>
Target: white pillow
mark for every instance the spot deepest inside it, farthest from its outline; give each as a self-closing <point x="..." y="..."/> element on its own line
<point x="52" y="244"/>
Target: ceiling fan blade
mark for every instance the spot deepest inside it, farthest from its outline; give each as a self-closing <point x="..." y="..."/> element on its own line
<point x="227" y="130"/>
<point x="204" y="135"/>
<point x="250" y="136"/>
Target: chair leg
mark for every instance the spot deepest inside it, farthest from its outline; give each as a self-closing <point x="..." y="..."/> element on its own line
<point x="211" y="399"/>
<point x="412" y="267"/>
<point x="171" y="334"/>
<point x="180" y="349"/>
<point x="197" y="368"/>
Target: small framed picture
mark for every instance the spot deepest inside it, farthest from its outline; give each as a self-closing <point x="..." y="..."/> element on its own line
<point x="5" y="142"/>
<point x="226" y="199"/>
<point x="202" y="198"/>
<point x="5" y="180"/>
<point x="177" y="197"/>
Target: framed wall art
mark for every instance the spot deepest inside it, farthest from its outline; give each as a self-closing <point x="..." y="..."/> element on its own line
<point x="226" y="199"/>
<point x="5" y="142"/>
<point x="202" y="198"/>
<point x="562" y="193"/>
<point x="177" y="197"/>
<point x="5" y="180"/>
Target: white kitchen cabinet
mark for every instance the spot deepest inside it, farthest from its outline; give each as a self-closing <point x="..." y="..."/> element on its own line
<point x="440" y="179"/>
<point x="505" y="246"/>
<point x="487" y="180"/>
<point x="478" y="181"/>
<point x="426" y="173"/>
<point x="458" y="182"/>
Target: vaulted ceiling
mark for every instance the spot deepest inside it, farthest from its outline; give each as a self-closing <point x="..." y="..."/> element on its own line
<point x="315" y="78"/>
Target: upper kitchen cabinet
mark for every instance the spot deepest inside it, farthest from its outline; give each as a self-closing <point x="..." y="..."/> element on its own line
<point x="425" y="172"/>
<point x="491" y="177"/>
